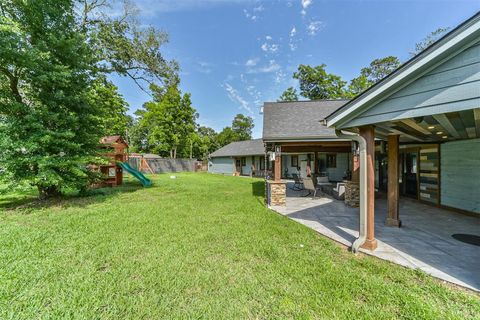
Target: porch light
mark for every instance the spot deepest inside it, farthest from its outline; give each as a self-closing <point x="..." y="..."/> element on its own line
<point x="431" y="127"/>
<point x="439" y="132"/>
<point x="445" y="137"/>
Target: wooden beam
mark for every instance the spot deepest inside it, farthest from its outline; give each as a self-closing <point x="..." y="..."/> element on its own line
<point x="412" y="124"/>
<point x="393" y="192"/>
<point x="447" y="125"/>
<point x="386" y="126"/>
<point x="312" y="149"/>
<point x="476" y="116"/>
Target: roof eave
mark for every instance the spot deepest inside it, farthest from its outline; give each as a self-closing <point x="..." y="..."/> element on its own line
<point x="439" y="51"/>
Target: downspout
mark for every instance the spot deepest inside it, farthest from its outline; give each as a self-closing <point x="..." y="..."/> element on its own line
<point x="363" y="187"/>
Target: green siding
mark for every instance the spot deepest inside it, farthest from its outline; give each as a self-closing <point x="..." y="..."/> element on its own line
<point x="451" y="86"/>
<point x="460" y="174"/>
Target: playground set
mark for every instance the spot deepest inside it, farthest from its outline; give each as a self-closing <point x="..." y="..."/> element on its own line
<point x="115" y="148"/>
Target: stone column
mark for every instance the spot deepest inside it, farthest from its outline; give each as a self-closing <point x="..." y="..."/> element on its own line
<point x="393" y="193"/>
<point x="368" y="133"/>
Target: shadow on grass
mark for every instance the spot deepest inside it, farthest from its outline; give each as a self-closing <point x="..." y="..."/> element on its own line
<point x="27" y="202"/>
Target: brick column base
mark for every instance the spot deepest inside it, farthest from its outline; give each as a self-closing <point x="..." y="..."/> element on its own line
<point x="277" y="193"/>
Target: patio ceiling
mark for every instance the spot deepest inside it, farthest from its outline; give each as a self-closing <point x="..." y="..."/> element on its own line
<point x="433" y="128"/>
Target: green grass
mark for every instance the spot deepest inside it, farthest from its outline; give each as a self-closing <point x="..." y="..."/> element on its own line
<point x="199" y="246"/>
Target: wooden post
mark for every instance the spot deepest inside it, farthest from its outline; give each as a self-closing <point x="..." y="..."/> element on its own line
<point x="393" y="193"/>
<point x="368" y="133"/>
<point x="278" y="164"/>
<point x="355" y="165"/>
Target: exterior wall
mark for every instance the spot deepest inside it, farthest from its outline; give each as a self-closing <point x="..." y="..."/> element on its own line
<point x="460" y="174"/>
<point x="452" y="86"/>
<point x="247" y="168"/>
<point x="223" y="165"/>
<point x="335" y="174"/>
<point x="287" y="164"/>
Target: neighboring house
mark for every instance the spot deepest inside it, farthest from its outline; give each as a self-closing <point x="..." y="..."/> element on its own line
<point x="239" y="158"/>
<point x="306" y="146"/>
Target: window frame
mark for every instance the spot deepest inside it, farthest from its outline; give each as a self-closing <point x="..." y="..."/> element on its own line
<point x="294" y="161"/>
<point x="331" y="160"/>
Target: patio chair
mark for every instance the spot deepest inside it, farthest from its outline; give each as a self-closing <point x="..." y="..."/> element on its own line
<point x="310" y="186"/>
<point x="298" y="182"/>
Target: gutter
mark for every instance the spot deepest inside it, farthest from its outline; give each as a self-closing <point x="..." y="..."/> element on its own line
<point x="363" y="187"/>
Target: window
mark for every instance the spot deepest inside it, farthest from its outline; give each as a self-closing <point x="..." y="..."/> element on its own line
<point x="244" y="161"/>
<point x="262" y="163"/>
<point x="331" y="160"/>
<point x="294" y="161"/>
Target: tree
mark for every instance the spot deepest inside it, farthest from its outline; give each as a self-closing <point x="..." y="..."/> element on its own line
<point x="124" y="47"/>
<point x="316" y="83"/>
<point x="289" y="95"/>
<point x="168" y="121"/>
<point x="105" y="96"/>
<point x="242" y="127"/>
<point x="380" y="68"/>
<point x="206" y="143"/>
<point x="54" y="57"/>
<point x="50" y="130"/>
<point x="429" y="40"/>
<point x="226" y="136"/>
<point x="358" y="85"/>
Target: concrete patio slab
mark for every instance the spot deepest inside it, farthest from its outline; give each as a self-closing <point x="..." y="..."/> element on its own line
<point x="423" y="242"/>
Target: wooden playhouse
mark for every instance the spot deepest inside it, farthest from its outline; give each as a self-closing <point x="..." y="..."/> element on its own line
<point x="115" y="148"/>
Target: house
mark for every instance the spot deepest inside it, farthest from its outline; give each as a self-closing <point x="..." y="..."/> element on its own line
<point x="239" y="158"/>
<point x="414" y="134"/>
<point x="306" y="146"/>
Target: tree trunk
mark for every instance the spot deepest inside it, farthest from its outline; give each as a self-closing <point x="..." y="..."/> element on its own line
<point x="47" y="192"/>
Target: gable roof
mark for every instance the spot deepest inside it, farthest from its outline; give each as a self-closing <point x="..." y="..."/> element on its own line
<point x="112" y="140"/>
<point x="437" y="53"/>
<point x="240" y="148"/>
<point x="298" y="120"/>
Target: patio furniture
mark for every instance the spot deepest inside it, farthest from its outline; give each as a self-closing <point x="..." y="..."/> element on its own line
<point x="298" y="182"/>
<point x="310" y="186"/>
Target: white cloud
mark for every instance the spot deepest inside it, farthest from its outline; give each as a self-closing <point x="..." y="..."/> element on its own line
<point x="313" y="27"/>
<point x="204" y="67"/>
<point x="272" y="48"/>
<point x="305" y="5"/>
<point x="272" y="66"/>
<point x="236" y="97"/>
<point x="293" y="32"/>
<point x="251" y="62"/>
<point x="253" y="14"/>
<point x="292" y="42"/>
<point x="268" y="37"/>
<point x="260" y="8"/>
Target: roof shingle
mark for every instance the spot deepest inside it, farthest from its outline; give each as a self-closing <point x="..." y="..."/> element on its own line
<point x="240" y="148"/>
<point x="298" y="119"/>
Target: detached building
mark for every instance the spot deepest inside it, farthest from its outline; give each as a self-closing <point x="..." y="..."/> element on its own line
<point x="239" y="158"/>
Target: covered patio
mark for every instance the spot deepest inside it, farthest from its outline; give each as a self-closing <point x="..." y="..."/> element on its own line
<point x="424" y="242"/>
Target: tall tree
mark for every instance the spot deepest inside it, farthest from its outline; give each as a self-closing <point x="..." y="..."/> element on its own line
<point x="429" y="40"/>
<point x="53" y="57"/>
<point x="168" y="122"/>
<point x="317" y="83"/>
<point x="289" y="95"/>
<point x="380" y="68"/>
<point x="226" y="136"/>
<point x="50" y="129"/>
<point x="242" y="127"/>
<point x="105" y="96"/>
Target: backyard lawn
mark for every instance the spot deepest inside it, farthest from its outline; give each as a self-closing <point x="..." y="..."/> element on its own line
<point x="199" y="246"/>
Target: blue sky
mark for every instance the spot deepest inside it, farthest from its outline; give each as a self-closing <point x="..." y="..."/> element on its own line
<point x="236" y="54"/>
